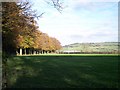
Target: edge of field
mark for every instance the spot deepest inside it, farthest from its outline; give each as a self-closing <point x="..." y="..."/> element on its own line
<point x="72" y="55"/>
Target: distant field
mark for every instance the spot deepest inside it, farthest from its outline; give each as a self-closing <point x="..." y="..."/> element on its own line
<point x="93" y="47"/>
<point x="46" y="71"/>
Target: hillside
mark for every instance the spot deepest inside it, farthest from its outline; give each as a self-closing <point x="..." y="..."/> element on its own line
<point x="92" y="47"/>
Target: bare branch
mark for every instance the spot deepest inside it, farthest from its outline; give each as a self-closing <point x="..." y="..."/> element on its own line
<point x="56" y="4"/>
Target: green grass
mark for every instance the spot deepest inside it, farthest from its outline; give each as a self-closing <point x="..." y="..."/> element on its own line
<point x="60" y="71"/>
<point x="94" y="47"/>
<point x="53" y="54"/>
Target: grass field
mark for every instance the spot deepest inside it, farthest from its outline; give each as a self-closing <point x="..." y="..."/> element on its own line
<point x="94" y="47"/>
<point x="62" y="71"/>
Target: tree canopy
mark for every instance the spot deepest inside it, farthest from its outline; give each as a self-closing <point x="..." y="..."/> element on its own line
<point x="20" y="30"/>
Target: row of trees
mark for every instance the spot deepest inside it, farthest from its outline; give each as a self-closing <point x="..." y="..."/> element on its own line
<point x="41" y="43"/>
<point x="20" y="32"/>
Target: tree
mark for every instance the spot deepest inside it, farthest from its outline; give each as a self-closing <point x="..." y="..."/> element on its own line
<point x="9" y="24"/>
<point x="55" y="44"/>
<point x="17" y="21"/>
<point x="20" y="28"/>
<point x="58" y="4"/>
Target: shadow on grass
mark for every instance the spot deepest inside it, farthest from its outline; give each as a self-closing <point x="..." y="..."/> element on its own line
<point x="63" y="72"/>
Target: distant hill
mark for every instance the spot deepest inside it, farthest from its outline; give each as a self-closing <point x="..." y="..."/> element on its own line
<point x="92" y="47"/>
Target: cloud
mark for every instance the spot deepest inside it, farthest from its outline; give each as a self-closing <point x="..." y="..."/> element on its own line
<point x="85" y="1"/>
<point x="81" y="21"/>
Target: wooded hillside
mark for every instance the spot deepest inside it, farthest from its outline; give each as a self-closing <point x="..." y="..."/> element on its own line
<point x="102" y="47"/>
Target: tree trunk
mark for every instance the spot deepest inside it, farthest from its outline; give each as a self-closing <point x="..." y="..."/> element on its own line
<point x="29" y="51"/>
<point x="37" y="52"/>
<point x="34" y="52"/>
<point x="20" y="51"/>
<point x="17" y="52"/>
<point x="42" y="52"/>
<point x="25" y="51"/>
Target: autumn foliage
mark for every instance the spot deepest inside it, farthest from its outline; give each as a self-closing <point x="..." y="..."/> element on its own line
<point x="20" y="32"/>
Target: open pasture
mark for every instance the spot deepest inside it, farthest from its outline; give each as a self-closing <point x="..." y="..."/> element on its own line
<point x="63" y="71"/>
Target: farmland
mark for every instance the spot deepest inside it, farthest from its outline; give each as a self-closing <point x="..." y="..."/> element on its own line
<point x="93" y="47"/>
<point x="63" y="71"/>
<point x="32" y="53"/>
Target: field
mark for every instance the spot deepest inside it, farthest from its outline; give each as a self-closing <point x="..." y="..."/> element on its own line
<point x="93" y="47"/>
<point x="63" y="71"/>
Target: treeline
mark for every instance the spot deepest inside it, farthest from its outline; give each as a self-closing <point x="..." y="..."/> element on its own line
<point x="20" y="34"/>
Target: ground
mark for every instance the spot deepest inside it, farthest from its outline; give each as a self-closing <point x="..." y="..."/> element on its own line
<point x="58" y="71"/>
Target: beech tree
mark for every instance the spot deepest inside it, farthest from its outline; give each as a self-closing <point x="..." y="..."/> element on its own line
<point x="17" y="22"/>
<point x="20" y="31"/>
<point x="55" y="44"/>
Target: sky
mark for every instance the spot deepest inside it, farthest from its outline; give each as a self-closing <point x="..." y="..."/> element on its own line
<point x="80" y="21"/>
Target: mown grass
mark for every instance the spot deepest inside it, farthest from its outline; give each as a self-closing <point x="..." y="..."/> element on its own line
<point x="53" y="54"/>
<point x="56" y="71"/>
